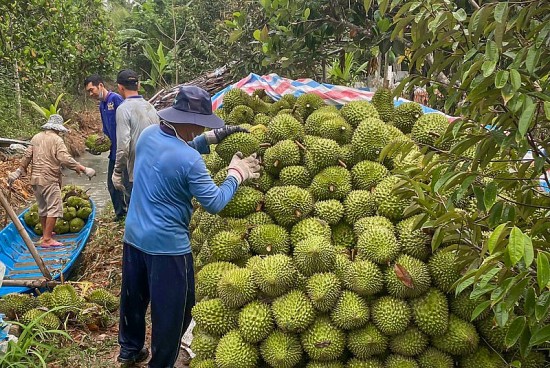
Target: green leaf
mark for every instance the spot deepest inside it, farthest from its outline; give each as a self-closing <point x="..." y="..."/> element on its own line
<point x="488" y="67"/>
<point x="501" y="78"/>
<point x="501" y="314"/>
<point x="529" y="255"/>
<point x="526" y="118"/>
<point x="307" y="12"/>
<point x="542" y="335"/>
<point x="479" y="309"/>
<point x="532" y="59"/>
<point x="235" y="35"/>
<point x="516" y="246"/>
<point x="490" y="195"/>
<point x="514" y="331"/>
<point x="366" y="5"/>
<point x="542" y="306"/>
<point x="547" y="109"/>
<point x="515" y="79"/>
<point x="460" y="15"/>
<point x="493" y="239"/>
<point x="543" y="270"/>
<point x="383" y="6"/>
<point x="491" y="51"/>
<point x="529" y="302"/>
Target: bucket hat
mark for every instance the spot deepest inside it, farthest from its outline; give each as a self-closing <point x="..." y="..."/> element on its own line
<point x="55" y="122"/>
<point x="192" y="105"/>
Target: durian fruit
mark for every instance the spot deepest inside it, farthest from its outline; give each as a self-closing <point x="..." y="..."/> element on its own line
<point x="228" y="246"/>
<point x="433" y="358"/>
<point x="406" y="115"/>
<point x="45" y="300"/>
<point x="391" y="315"/>
<point x="263" y="183"/>
<point x="324" y="289"/>
<point x="413" y="242"/>
<point x="359" y="204"/>
<point x="323" y="341"/>
<point x="378" y="244"/>
<point x="372" y="221"/>
<point x="411" y="342"/>
<point x="343" y="235"/>
<point x="363" y="277"/>
<point x="399" y="361"/>
<point x="308" y="103"/>
<point x="204" y="344"/>
<point x="206" y="363"/>
<point x="240" y="115"/>
<point x="104" y="298"/>
<point x="330" y="211"/>
<point x="15" y="305"/>
<point x="389" y="205"/>
<point x="242" y="142"/>
<point x="259" y="218"/>
<point x="492" y="334"/>
<point x="234" y="352"/>
<point x="535" y="359"/>
<point x="443" y="269"/>
<point x="255" y="321"/>
<point x="295" y="175"/>
<point x="314" y="254"/>
<point x="69" y="213"/>
<point x="349" y="156"/>
<point x="274" y="275"/>
<point x="367" y="341"/>
<point x="460" y="338"/>
<point x="62" y="226"/>
<point x="31" y="218"/>
<point x="246" y="201"/>
<point x="283" y="154"/>
<point x="41" y="318"/>
<point x="323" y="364"/>
<point x="281" y="349"/>
<point x="208" y="278"/>
<point x="65" y="295"/>
<point x="236" y="287"/>
<point x="351" y="311"/>
<point x="463" y="306"/>
<point x="370" y="138"/>
<point x="94" y="144"/>
<point x="482" y="357"/>
<point x="307" y="228"/>
<point x="429" y="129"/>
<point x="369" y="363"/>
<point x="283" y="127"/>
<point x="333" y="182"/>
<point x="269" y="239"/>
<point x="356" y="111"/>
<point x="293" y="312"/>
<point x="214" y="317"/>
<point x="320" y="153"/>
<point x="409" y="277"/>
<point x="213" y="162"/>
<point x="233" y="98"/>
<point x="313" y="122"/>
<point x="92" y="314"/>
<point x="431" y="312"/>
<point x="383" y="101"/>
<point x="288" y="204"/>
<point x="366" y="174"/>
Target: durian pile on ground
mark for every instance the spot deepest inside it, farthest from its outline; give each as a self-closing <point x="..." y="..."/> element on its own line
<point x="76" y="210"/>
<point x="97" y="144"/>
<point x="66" y="305"/>
<point x="313" y="264"/>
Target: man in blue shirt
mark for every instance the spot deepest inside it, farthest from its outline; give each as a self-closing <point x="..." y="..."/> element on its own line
<point x="108" y="104"/>
<point x="157" y="264"/>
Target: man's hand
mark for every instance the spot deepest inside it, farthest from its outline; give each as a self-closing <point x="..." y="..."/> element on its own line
<point x="13" y="176"/>
<point x="90" y="173"/>
<point x="217" y="135"/>
<point x="243" y="169"/>
<point x="117" y="181"/>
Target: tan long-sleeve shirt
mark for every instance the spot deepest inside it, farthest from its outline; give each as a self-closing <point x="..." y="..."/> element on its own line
<point x="46" y="154"/>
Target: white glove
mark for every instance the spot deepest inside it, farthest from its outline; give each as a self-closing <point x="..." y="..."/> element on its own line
<point x="243" y="169"/>
<point x="117" y="181"/>
<point x="90" y="173"/>
<point x="13" y="176"/>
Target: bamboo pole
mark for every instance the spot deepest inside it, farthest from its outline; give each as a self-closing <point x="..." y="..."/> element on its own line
<point x="42" y="283"/>
<point x="25" y="236"/>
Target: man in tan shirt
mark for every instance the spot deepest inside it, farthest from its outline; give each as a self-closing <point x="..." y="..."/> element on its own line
<point x="46" y="154"/>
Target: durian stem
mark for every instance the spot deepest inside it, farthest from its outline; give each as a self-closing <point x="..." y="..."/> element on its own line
<point x="342" y="163"/>
<point x="297" y="213"/>
<point x="331" y="188"/>
<point x="300" y="145"/>
<point x="265" y="145"/>
<point x="276" y="163"/>
<point x="268" y="248"/>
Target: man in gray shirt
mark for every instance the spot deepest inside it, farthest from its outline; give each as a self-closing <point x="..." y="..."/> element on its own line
<point x="132" y="116"/>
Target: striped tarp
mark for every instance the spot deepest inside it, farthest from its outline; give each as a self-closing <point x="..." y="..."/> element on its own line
<point x="276" y="86"/>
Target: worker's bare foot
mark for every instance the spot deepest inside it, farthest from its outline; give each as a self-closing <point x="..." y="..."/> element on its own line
<point x="50" y="243"/>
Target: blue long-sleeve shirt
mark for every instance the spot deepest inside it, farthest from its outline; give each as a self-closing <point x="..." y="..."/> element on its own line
<point x="168" y="173"/>
<point x="107" y="109"/>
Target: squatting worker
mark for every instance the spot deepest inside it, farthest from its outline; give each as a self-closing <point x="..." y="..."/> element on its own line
<point x="108" y="104"/>
<point x="157" y="265"/>
<point x="46" y="154"/>
<point x="132" y="116"/>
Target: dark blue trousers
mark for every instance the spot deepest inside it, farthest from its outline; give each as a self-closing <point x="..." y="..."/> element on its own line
<point x="117" y="197"/>
<point x="168" y="283"/>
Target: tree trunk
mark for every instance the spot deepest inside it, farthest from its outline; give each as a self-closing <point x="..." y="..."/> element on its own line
<point x="17" y="87"/>
<point x="386" y="82"/>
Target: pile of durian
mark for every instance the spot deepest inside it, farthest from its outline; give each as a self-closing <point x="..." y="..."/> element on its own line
<point x="314" y="264"/>
<point x="64" y="305"/>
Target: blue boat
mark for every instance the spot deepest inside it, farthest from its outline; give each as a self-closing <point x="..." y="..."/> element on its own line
<point x="20" y="264"/>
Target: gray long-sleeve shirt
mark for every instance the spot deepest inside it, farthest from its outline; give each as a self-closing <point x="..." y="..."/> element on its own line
<point x="132" y="116"/>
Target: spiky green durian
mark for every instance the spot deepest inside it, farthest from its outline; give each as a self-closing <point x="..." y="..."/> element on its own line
<point x="308" y="103"/>
<point x="236" y="287"/>
<point x="460" y="338"/>
<point x="332" y="364"/>
<point x="240" y="115"/>
<point x="431" y="312"/>
<point x="261" y="119"/>
<point x="342" y="235"/>
<point x="66" y="295"/>
<point x="234" y="352"/>
<point x="463" y="306"/>
<point x="413" y="242"/>
<point x="204" y="344"/>
<point x="233" y="98"/>
<point x="391" y="315"/>
<point x="281" y="349"/>
<point x="242" y="142"/>
<point x="295" y="175"/>
<point x="482" y="357"/>
<point x="320" y="153"/>
<point x="367" y="341"/>
<point x="259" y="218"/>
<point x="493" y="333"/>
<point x="406" y="115"/>
<point x="378" y="244"/>
<point x="283" y="127"/>
<point x="309" y="227"/>
<point x="389" y="204"/>
<point x="282" y="154"/>
<point x="288" y="204"/>
<point x="433" y="358"/>
<point x="356" y="111"/>
<point x="443" y="266"/>
<point x="314" y="254"/>
<point x="383" y="102"/>
<point x="367" y="174"/>
<point x="369" y="222"/>
<point x="330" y="211"/>
<point x="408" y="278"/>
<point x="293" y="312"/>
<point x="398" y="361"/>
<point x="45" y="300"/>
<point x="351" y="311"/>
<point x="247" y="200"/>
<point x="104" y="298"/>
<point x="429" y="129"/>
<point x="359" y="204"/>
<point x="334" y="182"/>
<point x="15" y="305"/>
<point x="364" y="277"/>
<point x="255" y="321"/>
<point x="323" y="341"/>
<point x="263" y="183"/>
<point x="208" y="278"/>
<point x="369" y="363"/>
<point x="323" y="289"/>
<point x="329" y="124"/>
<point x="313" y="122"/>
<point x="45" y="319"/>
<point x="535" y="359"/>
<point x="370" y="138"/>
<point x="348" y="155"/>
<point x="269" y="239"/>
<point x="214" y="317"/>
<point x="411" y="342"/>
<point x="206" y="363"/>
<point x="275" y="274"/>
<point x="228" y="246"/>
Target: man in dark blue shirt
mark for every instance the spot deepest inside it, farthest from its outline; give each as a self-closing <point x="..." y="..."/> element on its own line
<point x="108" y="103"/>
